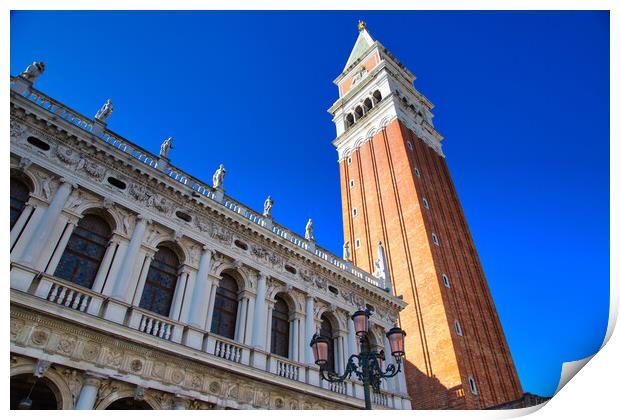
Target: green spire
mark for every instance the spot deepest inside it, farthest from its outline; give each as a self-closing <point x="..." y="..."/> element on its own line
<point x="363" y="43"/>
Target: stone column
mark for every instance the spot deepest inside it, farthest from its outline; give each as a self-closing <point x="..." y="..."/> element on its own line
<point x="60" y="248"/>
<point x="259" y="312"/>
<point x="88" y="394"/>
<point x="146" y="265"/>
<point x="41" y="234"/>
<point x="21" y="241"/>
<point x="249" y="319"/>
<point x="295" y="339"/>
<point x="241" y="314"/>
<point x="105" y="265"/>
<point x="180" y="402"/>
<point x="124" y="281"/>
<point x="301" y="340"/>
<point x="310" y="329"/>
<point x="21" y="222"/>
<point x="351" y="337"/>
<point x="268" y="325"/>
<point x="117" y="261"/>
<point x="211" y="306"/>
<point x="201" y="296"/>
<point x="187" y="296"/>
<point x="177" y="298"/>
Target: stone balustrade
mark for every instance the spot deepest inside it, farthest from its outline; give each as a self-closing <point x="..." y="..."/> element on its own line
<point x="66" y="294"/>
<point x="155" y="325"/>
<point x="199" y="187"/>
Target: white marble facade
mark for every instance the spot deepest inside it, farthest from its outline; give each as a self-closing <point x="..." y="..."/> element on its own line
<point x="98" y="344"/>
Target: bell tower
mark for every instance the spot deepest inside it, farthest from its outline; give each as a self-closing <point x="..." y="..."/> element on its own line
<point x="397" y="190"/>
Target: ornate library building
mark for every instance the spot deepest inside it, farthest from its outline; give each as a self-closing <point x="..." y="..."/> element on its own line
<point x="135" y="285"/>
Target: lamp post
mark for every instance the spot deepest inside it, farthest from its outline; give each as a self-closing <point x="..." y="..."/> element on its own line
<point x="368" y="364"/>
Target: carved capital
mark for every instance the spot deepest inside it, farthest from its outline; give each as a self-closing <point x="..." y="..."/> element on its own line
<point x="93" y="379"/>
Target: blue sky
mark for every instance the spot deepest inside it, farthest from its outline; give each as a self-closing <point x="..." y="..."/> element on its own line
<point x="522" y="99"/>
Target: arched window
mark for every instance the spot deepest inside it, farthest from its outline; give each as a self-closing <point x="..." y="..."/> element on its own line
<point x="280" y="328"/>
<point x="328" y="332"/>
<point x="82" y="257"/>
<point x="41" y="392"/>
<point x="129" y="403"/>
<point x="19" y="195"/>
<point x="377" y="95"/>
<point x="367" y="104"/>
<point x="225" y="308"/>
<point x="161" y="281"/>
<point x="359" y="112"/>
<point x="349" y="120"/>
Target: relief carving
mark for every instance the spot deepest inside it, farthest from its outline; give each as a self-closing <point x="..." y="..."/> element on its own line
<point x="91" y="350"/>
<point x="17" y="326"/>
<point x="221" y="234"/>
<point x="66" y="155"/>
<point x="114" y="358"/>
<point x="74" y="382"/>
<point x="16" y="129"/>
<point x="320" y="282"/>
<point x="177" y="376"/>
<point x="66" y="345"/>
<point x="39" y="337"/>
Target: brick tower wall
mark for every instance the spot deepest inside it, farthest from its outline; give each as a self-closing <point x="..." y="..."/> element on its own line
<point x="388" y="198"/>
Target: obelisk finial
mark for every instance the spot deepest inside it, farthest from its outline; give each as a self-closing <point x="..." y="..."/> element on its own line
<point x="361" y="25"/>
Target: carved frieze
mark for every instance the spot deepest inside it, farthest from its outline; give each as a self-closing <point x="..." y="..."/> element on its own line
<point x="238" y="389"/>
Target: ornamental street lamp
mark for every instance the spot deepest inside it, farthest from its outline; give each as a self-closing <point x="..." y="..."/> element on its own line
<point x="368" y="365"/>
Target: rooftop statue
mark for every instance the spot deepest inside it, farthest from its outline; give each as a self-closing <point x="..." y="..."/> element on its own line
<point x="267" y="207"/>
<point x="106" y="110"/>
<point x="346" y="253"/>
<point x="165" y="148"/>
<point x="380" y="268"/>
<point x="33" y="71"/>
<point x="309" y="230"/>
<point x="218" y="177"/>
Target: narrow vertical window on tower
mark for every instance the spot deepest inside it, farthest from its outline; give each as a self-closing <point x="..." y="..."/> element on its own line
<point x="472" y="385"/>
<point x="349" y="160"/>
<point x="357" y="243"/>
<point x="354" y="212"/>
<point x="435" y="239"/>
<point x="409" y="145"/>
<point x="417" y="172"/>
<point x="457" y="327"/>
<point x="425" y="203"/>
<point x="351" y="183"/>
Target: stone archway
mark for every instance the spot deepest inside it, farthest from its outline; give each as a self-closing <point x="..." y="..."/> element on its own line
<point x="129" y="403"/>
<point x="41" y="392"/>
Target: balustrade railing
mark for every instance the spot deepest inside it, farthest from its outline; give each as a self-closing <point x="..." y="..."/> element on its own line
<point x="69" y="297"/>
<point x="196" y="185"/>
<point x="228" y="351"/>
<point x="156" y="327"/>
<point x="286" y="368"/>
<point x="338" y="387"/>
<point x="67" y="294"/>
<point x="380" y="399"/>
